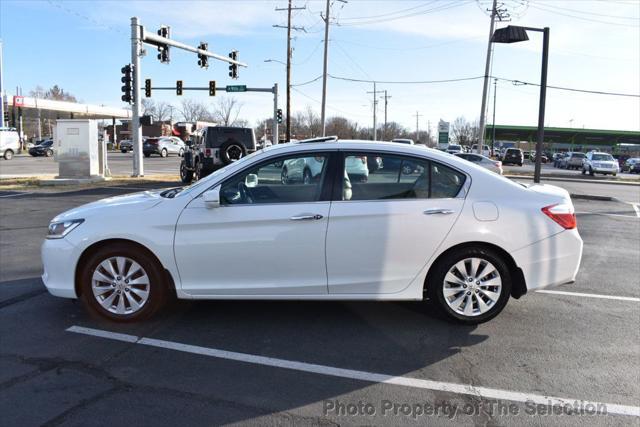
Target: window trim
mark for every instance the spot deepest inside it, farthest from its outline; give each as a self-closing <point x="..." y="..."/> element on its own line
<point x="327" y="180"/>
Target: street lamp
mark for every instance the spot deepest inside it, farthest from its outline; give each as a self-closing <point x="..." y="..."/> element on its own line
<point x="275" y="60"/>
<point x="515" y="34"/>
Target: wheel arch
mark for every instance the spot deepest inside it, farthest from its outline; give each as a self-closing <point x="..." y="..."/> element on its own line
<point x="518" y="285"/>
<point x="94" y="247"/>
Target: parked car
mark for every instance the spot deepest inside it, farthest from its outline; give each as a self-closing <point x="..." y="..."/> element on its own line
<point x="482" y="161"/>
<point x="126" y="145"/>
<point x="453" y="149"/>
<point x="449" y="231"/>
<point x="574" y="160"/>
<point x="403" y="141"/>
<point x="45" y="148"/>
<point x="513" y="156"/>
<point x="302" y="169"/>
<point x="214" y="147"/>
<point x="628" y="164"/>
<point x="635" y="168"/>
<point x="543" y="157"/>
<point x="163" y="146"/>
<point x="596" y="162"/>
<point x="556" y="159"/>
<point x="486" y="151"/>
<point x="9" y="142"/>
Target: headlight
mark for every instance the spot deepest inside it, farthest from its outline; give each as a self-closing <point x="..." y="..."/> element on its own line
<point x="57" y="230"/>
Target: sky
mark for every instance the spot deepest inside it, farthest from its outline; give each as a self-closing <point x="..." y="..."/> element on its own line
<point x="594" y="45"/>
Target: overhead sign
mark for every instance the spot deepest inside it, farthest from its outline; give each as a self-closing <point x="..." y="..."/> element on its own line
<point x="18" y="101"/>
<point x="236" y="88"/>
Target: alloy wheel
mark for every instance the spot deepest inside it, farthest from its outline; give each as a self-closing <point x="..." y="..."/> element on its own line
<point x="472" y="287"/>
<point x="120" y="285"/>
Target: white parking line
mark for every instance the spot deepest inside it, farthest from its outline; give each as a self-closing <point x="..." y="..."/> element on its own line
<point x="580" y="294"/>
<point x="636" y="208"/>
<point x="466" y="389"/>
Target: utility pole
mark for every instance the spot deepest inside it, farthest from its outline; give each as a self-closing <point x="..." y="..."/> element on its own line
<point x="386" y="102"/>
<point x="323" y="108"/>
<point x="375" y="108"/>
<point x="500" y="14"/>
<point x="1" y="89"/>
<point x="418" y="115"/>
<point x="493" y="127"/>
<point x="289" y="28"/>
<point x="135" y="128"/>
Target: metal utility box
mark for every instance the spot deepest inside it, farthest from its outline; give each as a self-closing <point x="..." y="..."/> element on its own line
<point x="77" y="148"/>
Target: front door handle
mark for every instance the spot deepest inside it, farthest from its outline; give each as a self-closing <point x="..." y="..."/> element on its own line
<point x="438" y="211"/>
<point x="304" y="217"/>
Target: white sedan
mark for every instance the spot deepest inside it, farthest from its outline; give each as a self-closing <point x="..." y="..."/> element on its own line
<point x="443" y="229"/>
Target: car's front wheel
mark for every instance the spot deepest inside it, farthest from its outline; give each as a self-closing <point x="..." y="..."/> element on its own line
<point x="122" y="283"/>
<point x="470" y="286"/>
<point x="8" y="155"/>
<point x="164" y="153"/>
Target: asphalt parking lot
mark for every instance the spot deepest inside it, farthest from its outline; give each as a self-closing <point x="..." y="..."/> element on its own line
<point x="312" y="363"/>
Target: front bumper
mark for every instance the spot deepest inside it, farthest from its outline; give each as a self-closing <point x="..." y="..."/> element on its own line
<point x="552" y="261"/>
<point x="59" y="259"/>
<point x="601" y="169"/>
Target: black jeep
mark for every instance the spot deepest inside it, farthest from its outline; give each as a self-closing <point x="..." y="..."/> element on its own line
<point x="214" y="147"/>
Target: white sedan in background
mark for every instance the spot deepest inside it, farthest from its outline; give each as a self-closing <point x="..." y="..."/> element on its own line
<point x="485" y="162"/>
<point x="443" y="229"/>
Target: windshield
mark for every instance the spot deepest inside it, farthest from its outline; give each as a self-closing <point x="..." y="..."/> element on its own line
<point x="605" y="157"/>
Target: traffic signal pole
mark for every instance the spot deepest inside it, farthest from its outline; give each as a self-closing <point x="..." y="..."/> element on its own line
<point x="135" y="129"/>
<point x="162" y="41"/>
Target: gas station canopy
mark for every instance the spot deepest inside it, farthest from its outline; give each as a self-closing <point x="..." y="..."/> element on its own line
<point x="86" y="110"/>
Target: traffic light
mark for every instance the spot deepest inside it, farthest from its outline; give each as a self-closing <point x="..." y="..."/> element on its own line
<point x="127" y="89"/>
<point x="279" y="116"/>
<point x="233" y="68"/>
<point x="6" y="116"/>
<point x="147" y="88"/>
<point x="163" y="48"/>
<point x="212" y="88"/>
<point x="203" y="60"/>
<point x="179" y="87"/>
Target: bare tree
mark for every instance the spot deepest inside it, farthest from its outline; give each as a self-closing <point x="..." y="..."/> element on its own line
<point x="312" y="122"/>
<point x="464" y="132"/>
<point x="56" y="93"/>
<point x="193" y="111"/>
<point x="226" y="111"/>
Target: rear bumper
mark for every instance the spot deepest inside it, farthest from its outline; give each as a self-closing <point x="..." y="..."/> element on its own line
<point x="552" y="261"/>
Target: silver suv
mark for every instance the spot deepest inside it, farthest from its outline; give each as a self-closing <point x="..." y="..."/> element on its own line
<point x="574" y="160"/>
<point x="163" y="146"/>
<point x="596" y="162"/>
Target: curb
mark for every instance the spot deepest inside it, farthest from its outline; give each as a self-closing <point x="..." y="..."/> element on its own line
<point x="589" y="181"/>
<point x="593" y="197"/>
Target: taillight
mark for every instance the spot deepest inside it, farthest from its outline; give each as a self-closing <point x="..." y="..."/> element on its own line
<point x="562" y="214"/>
<point x="207" y="152"/>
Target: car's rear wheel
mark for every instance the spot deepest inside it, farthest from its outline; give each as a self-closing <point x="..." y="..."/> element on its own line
<point x="186" y="175"/>
<point x="124" y="151"/>
<point x="164" y="153"/>
<point x="591" y="172"/>
<point x="181" y="153"/>
<point x="470" y="286"/>
<point x="147" y="154"/>
<point x="8" y="154"/>
<point x="48" y="153"/>
<point x="122" y="283"/>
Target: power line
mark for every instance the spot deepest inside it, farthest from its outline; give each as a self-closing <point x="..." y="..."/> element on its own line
<point x="583" y="18"/>
<point x="390" y="13"/>
<point x="553" y="6"/>
<point x="439" y="8"/>
<point x="309" y="82"/>
<point x="596" y="92"/>
<point x="404" y="82"/>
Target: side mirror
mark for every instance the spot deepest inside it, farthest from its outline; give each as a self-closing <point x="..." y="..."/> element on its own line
<point x="251" y="180"/>
<point x="211" y="198"/>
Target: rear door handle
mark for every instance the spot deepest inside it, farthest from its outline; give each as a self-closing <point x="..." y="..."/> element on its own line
<point x="305" y="217"/>
<point x="438" y="211"/>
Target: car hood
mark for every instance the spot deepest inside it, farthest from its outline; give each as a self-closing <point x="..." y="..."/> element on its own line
<point x="125" y="205"/>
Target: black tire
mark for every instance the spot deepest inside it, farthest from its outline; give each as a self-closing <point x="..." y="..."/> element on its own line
<point x="186" y="175"/>
<point x="591" y="172"/>
<point x="614" y="174"/>
<point x="158" y="289"/>
<point x="147" y="154"/>
<point x="436" y="276"/>
<point x="164" y="153"/>
<point x="124" y="151"/>
<point x="232" y="151"/>
<point x="199" y="171"/>
<point x="584" y="171"/>
<point x="48" y="153"/>
<point x="8" y="154"/>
